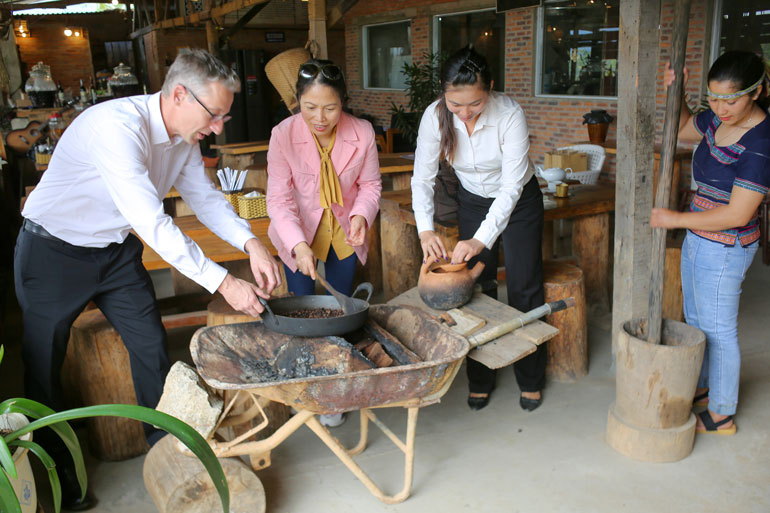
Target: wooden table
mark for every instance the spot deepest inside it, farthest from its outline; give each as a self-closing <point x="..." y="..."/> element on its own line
<point x="240" y="155"/>
<point x="681" y="153"/>
<point x="588" y="206"/>
<point x="400" y="166"/>
<point x="212" y="246"/>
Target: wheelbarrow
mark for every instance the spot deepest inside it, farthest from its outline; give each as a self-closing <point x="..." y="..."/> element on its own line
<point x="227" y="358"/>
<point x="232" y="357"/>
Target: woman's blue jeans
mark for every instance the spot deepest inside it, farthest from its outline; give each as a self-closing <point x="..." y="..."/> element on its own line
<point x="712" y="275"/>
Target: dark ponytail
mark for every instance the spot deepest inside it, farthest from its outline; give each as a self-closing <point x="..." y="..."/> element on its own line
<point x="464" y="67"/>
<point x="743" y="69"/>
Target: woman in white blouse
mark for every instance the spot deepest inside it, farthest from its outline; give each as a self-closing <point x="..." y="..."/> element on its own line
<point x="483" y="134"/>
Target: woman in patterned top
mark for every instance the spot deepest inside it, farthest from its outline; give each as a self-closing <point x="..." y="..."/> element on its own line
<point x="731" y="167"/>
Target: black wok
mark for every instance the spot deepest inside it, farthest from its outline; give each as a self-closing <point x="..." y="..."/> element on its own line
<point x="305" y="327"/>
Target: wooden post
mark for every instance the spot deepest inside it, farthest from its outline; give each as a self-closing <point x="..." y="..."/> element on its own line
<point x="212" y="40"/>
<point x="670" y="132"/>
<point x="637" y="74"/>
<point x="316" y="11"/>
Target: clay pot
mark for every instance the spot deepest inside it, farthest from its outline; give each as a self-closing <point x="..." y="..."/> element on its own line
<point x="447" y="286"/>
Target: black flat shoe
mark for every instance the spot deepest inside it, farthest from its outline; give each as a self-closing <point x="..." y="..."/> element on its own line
<point x="530" y="404"/>
<point x="477" y="403"/>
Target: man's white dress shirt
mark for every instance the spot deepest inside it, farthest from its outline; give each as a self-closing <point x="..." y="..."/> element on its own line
<point x="492" y="162"/>
<point x="110" y="172"/>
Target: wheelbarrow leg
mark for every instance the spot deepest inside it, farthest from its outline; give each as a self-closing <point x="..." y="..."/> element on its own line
<point x="408" y="448"/>
<point x="359" y="448"/>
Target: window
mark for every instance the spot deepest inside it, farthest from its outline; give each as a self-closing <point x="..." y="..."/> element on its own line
<point x="578" y="48"/>
<point x="484" y="29"/>
<point x="742" y="25"/>
<point x="386" y="49"/>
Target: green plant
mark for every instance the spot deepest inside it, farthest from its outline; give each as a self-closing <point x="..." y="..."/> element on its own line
<point x="422" y="87"/>
<point x="57" y="421"/>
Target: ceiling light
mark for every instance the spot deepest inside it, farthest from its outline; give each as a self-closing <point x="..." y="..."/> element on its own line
<point x="67" y="32"/>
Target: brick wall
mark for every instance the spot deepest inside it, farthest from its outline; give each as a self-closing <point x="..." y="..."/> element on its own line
<point x="68" y="57"/>
<point x="553" y="122"/>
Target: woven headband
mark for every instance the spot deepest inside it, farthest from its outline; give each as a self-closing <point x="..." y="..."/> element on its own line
<point x="731" y="96"/>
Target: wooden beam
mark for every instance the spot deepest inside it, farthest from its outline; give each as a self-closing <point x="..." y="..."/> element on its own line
<point x="316" y="11"/>
<point x="338" y="11"/>
<point x="212" y="38"/>
<point x="198" y="17"/>
<point x="231" y="31"/>
<point x="637" y="82"/>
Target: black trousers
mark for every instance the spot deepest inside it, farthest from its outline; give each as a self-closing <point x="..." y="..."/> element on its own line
<point x="54" y="282"/>
<point x="523" y="274"/>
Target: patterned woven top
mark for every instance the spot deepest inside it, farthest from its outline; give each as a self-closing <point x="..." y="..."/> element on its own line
<point x="717" y="169"/>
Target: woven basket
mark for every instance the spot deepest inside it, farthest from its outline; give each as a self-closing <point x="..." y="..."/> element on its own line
<point x="282" y="72"/>
<point x="251" y="208"/>
<point x="42" y="158"/>
<point x="232" y="197"/>
<point x="585" y="177"/>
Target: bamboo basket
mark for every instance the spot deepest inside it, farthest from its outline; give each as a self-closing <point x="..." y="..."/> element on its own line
<point x="282" y="72"/>
<point x="232" y="197"/>
<point x="251" y="208"/>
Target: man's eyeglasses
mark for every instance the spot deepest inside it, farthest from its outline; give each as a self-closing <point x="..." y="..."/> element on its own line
<point x="329" y="71"/>
<point x="215" y="118"/>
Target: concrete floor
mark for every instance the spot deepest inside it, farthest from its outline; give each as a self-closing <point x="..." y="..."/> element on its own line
<point x="501" y="458"/>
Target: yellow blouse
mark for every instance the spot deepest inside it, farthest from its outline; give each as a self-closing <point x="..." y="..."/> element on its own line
<point x="329" y="232"/>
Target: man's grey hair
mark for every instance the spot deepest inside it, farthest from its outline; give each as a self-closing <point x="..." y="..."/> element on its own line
<point x="197" y="69"/>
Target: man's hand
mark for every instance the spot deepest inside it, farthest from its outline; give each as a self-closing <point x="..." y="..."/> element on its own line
<point x="357" y="231"/>
<point x="242" y="295"/>
<point x="432" y="246"/>
<point x="266" y="272"/>
<point x="305" y="259"/>
<point x="466" y="249"/>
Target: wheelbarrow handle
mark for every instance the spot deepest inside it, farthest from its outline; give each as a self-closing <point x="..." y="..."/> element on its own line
<point x="521" y="320"/>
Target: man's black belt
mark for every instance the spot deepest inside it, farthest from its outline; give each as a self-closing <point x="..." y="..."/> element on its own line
<point x="33" y="227"/>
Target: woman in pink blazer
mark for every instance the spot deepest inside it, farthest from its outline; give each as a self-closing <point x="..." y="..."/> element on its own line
<point x="324" y="184"/>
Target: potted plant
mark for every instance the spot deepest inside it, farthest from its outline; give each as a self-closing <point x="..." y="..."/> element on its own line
<point x="15" y="440"/>
<point x="423" y="87"/>
<point x="598" y="121"/>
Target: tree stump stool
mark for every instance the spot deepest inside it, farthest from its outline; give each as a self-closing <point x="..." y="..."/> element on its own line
<point x="219" y="312"/>
<point x="567" y="351"/>
<point x="179" y="483"/>
<point x="98" y="367"/>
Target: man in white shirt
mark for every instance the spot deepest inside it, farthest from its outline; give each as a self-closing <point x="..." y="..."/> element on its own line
<point x="109" y="174"/>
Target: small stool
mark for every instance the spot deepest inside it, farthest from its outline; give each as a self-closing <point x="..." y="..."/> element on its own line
<point x="568" y="351"/>
<point x="219" y="313"/>
<point x="98" y="367"/>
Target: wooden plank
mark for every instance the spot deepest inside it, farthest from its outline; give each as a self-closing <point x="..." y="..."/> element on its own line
<point x="637" y="83"/>
<point x="506" y="349"/>
<point x="466" y="322"/>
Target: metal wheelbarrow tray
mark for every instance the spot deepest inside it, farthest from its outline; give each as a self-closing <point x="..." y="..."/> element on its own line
<point x="228" y="356"/>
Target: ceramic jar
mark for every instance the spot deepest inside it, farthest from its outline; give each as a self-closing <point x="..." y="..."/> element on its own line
<point x="447" y="286"/>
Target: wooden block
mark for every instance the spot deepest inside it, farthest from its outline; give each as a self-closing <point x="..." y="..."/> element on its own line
<point x="402" y="354"/>
<point x="568" y="351"/>
<point x="465" y="322"/>
<point x="177" y="482"/>
<point x="101" y="372"/>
